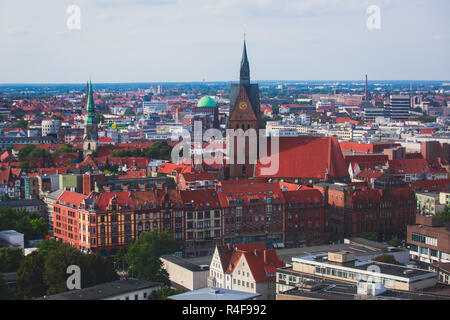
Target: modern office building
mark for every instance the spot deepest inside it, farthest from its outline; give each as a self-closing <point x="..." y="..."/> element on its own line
<point x="399" y="106"/>
<point x="343" y="266"/>
<point x="429" y="240"/>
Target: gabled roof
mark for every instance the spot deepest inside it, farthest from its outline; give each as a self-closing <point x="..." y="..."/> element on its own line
<point x="261" y="261"/>
<point x="71" y="198"/>
<point x="200" y="199"/>
<point x="307" y="157"/>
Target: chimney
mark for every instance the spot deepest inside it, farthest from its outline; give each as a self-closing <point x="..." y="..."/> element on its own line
<point x="366" y="88"/>
<point x="265" y="256"/>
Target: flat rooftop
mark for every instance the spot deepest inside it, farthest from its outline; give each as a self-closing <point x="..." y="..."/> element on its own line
<point x="363" y="265"/>
<point x="185" y="263"/>
<point x="330" y="289"/>
<point x="104" y="290"/>
<point x="213" y="293"/>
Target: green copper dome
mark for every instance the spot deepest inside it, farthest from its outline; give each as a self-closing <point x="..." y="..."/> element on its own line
<point x="206" y="101"/>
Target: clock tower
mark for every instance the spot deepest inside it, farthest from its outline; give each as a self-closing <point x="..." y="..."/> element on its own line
<point x="245" y="115"/>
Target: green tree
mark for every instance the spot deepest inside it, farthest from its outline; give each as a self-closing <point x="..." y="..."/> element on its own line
<point x="48" y="245"/>
<point x="387" y="258"/>
<point x="5" y="197"/>
<point x="26" y="165"/>
<point x="30" y="281"/>
<point x="165" y="292"/>
<point x="394" y="241"/>
<point x="129" y="112"/>
<point x="373" y="236"/>
<point x="143" y="256"/>
<point x="276" y="110"/>
<point x="22" y="124"/>
<point x="67" y="148"/>
<point x="10" y="259"/>
<point x="5" y="294"/>
<point x="55" y="267"/>
<point x="94" y="269"/>
<point x="445" y="213"/>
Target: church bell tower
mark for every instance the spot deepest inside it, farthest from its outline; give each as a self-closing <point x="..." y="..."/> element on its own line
<point x="244" y="115"/>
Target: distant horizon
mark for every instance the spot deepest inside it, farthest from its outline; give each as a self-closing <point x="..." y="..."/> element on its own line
<point x="215" y="81"/>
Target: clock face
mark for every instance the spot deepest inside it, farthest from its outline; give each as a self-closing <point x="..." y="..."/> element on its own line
<point x="243" y="106"/>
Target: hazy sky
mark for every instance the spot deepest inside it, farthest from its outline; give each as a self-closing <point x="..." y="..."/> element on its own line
<point x="192" y="40"/>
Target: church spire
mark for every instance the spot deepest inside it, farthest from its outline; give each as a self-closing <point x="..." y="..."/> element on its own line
<point x="90" y="109"/>
<point x="245" y="67"/>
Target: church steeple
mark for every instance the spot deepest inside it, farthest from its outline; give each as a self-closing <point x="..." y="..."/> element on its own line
<point x="90" y="108"/>
<point x="245" y="67"/>
<point x="90" y="136"/>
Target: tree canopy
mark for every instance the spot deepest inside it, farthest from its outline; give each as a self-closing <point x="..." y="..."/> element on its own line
<point x="10" y="259"/>
<point x="67" y="148"/>
<point x="445" y="213"/>
<point x="31" y="151"/>
<point x="22" y="124"/>
<point x="31" y="225"/>
<point x="158" y="150"/>
<point x="373" y="236"/>
<point x="165" y="292"/>
<point x="45" y="271"/>
<point x="143" y="256"/>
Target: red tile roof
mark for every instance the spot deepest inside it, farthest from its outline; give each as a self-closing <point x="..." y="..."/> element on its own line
<point x="307" y="157"/>
<point x="72" y="198"/>
<point x="262" y="262"/>
<point x="200" y="199"/>
<point x="414" y="166"/>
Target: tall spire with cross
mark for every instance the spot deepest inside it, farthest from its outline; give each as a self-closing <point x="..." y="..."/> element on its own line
<point x="245" y="67"/>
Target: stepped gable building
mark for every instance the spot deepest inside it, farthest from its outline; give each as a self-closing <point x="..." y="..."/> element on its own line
<point x="248" y="267"/>
<point x="90" y="136"/>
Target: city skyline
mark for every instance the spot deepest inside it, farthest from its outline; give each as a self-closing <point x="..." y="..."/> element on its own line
<point x="169" y="41"/>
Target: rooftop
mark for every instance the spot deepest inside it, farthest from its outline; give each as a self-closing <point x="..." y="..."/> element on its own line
<point x="104" y="290"/>
<point x="212" y="293"/>
<point x="184" y="263"/>
<point x="364" y="265"/>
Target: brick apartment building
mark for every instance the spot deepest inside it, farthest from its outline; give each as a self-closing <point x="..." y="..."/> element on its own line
<point x="355" y="209"/>
<point x="252" y="212"/>
<point x="305" y="218"/>
<point x="236" y="212"/>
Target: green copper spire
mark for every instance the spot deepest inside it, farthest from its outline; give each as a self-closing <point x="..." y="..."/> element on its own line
<point x="90" y="109"/>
